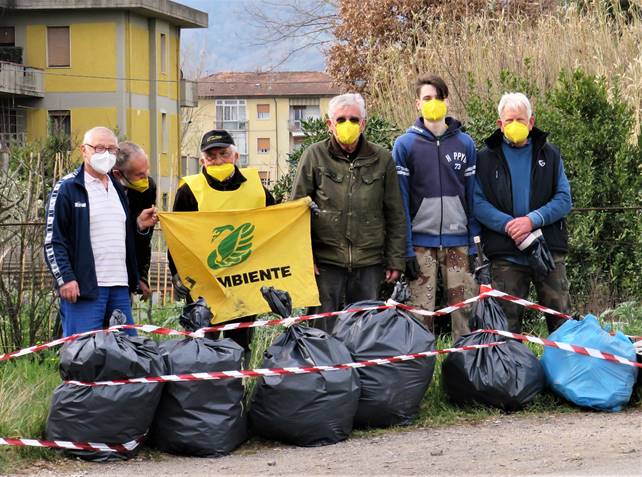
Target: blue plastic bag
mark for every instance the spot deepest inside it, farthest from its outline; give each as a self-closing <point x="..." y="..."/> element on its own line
<point x="584" y="380"/>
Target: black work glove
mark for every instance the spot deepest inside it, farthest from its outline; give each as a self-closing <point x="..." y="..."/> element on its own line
<point x="279" y="300"/>
<point x="196" y="315"/>
<point x="180" y="291"/>
<point x="412" y="268"/>
<point x="537" y="253"/>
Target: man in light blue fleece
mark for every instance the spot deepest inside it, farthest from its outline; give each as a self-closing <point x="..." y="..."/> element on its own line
<point x="436" y="168"/>
<point x="521" y="189"/>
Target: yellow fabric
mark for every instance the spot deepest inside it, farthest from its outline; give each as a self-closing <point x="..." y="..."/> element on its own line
<point x="250" y="195"/>
<point x="227" y="256"/>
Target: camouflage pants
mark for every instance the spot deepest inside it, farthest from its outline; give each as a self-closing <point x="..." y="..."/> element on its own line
<point x="458" y="283"/>
<point x="516" y="280"/>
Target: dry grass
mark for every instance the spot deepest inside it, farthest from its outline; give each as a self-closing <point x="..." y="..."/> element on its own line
<point x="599" y="43"/>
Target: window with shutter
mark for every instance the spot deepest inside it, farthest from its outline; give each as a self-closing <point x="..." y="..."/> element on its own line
<point x="263" y="144"/>
<point x="58" y="54"/>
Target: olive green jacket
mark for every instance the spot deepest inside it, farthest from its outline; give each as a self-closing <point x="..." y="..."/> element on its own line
<point x="361" y="221"/>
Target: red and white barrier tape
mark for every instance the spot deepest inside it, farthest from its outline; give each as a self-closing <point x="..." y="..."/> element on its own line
<point x="485" y="291"/>
<point x="88" y="446"/>
<point x="595" y="353"/>
<point x="236" y="374"/>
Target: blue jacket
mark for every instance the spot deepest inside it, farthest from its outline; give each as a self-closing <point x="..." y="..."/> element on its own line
<point x="437" y="179"/>
<point x="68" y="251"/>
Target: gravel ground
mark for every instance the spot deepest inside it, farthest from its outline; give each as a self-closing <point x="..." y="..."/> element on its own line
<point x="586" y="443"/>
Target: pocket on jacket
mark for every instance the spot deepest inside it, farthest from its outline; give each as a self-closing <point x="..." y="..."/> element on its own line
<point x="455" y="221"/>
<point x="326" y="227"/>
<point x="330" y="188"/>
<point x="371" y="230"/>
<point x="428" y="218"/>
<point x="440" y="215"/>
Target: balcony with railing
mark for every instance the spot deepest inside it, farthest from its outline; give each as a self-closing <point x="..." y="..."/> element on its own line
<point x="231" y="125"/>
<point x="189" y="93"/>
<point x="21" y="80"/>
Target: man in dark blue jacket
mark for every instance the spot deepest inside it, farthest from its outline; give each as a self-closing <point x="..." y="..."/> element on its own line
<point x="522" y="188"/>
<point x="89" y="244"/>
<point x="436" y="166"/>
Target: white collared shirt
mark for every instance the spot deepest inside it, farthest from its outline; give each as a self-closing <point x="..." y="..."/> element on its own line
<point x="107" y="232"/>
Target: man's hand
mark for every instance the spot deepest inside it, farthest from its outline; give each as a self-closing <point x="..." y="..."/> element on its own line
<point x="519" y="228"/>
<point x="70" y="291"/>
<point x="145" y="291"/>
<point x="316" y="269"/>
<point x="147" y="218"/>
<point x="392" y="275"/>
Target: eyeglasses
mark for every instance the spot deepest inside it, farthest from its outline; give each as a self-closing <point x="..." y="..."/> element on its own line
<point x="352" y="119"/>
<point x="100" y="149"/>
<point x="213" y="153"/>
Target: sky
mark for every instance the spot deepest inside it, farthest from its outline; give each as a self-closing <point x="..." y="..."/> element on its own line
<point x="229" y="44"/>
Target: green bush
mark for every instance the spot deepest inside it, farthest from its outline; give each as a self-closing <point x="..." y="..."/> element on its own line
<point x="594" y="129"/>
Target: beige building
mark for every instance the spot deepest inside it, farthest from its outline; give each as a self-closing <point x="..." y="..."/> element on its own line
<point x="262" y="111"/>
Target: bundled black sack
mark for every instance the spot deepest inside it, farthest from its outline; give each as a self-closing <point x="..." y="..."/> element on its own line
<point x="106" y="414"/>
<point x="391" y="393"/>
<point x="508" y="376"/>
<point x="313" y="409"/>
<point x="200" y="418"/>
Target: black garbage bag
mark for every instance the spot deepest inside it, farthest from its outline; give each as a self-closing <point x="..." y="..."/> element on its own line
<point x="508" y="376"/>
<point x="106" y="414"/>
<point x="200" y="418"/>
<point x="537" y="253"/>
<point x="391" y="393"/>
<point x="313" y="409"/>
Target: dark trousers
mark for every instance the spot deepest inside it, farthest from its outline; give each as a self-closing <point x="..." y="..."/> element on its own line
<point x="339" y="287"/>
<point x="515" y="280"/>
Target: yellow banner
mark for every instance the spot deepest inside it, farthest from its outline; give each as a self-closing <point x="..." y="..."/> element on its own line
<point x="226" y="257"/>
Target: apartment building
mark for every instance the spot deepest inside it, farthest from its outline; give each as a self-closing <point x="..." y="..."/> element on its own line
<point x="262" y="111"/>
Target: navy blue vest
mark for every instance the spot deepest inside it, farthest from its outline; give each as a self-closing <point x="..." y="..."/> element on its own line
<point x="494" y="178"/>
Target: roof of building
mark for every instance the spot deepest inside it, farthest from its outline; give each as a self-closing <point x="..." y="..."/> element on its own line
<point x="286" y="83"/>
<point x="174" y="13"/>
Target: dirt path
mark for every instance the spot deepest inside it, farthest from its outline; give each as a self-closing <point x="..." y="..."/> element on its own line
<point x="584" y="443"/>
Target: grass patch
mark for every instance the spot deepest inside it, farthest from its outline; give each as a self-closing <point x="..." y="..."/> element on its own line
<point x="26" y="387"/>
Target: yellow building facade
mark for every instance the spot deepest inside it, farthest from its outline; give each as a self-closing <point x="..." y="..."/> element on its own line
<point x="101" y="65"/>
<point x="262" y="111"/>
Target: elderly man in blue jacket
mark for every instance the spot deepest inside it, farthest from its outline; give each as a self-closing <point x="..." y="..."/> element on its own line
<point x="522" y="191"/>
<point x="89" y="238"/>
<point x="436" y="165"/>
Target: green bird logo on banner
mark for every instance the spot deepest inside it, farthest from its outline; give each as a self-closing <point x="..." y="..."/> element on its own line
<point x="232" y="248"/>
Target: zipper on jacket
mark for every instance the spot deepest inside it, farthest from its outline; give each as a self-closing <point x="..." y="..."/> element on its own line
<point x="441" y="196"/>
<point x="349" y="216"/>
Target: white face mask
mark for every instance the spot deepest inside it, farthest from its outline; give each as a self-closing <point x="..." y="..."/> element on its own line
<point x="102" y="163"/>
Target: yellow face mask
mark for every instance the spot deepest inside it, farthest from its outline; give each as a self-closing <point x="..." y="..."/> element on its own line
<point x="348" y="132"/>
<point x="434" y="110"/>
<point x="221" y="172"/>
<point x="516" y="132"/>
<point x="139" y="185"/>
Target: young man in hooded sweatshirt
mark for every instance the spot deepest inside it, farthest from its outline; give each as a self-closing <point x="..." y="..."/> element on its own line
<point x="436" y="168"/>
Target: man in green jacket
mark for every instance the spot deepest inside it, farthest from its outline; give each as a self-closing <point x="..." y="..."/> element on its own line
<point x="358" y="236"/>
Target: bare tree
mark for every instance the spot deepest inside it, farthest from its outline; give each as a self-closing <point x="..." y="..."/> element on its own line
<point x="307" y="24"/>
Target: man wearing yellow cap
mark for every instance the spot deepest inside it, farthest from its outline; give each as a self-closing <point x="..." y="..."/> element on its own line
<point x="220" y="185"/>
